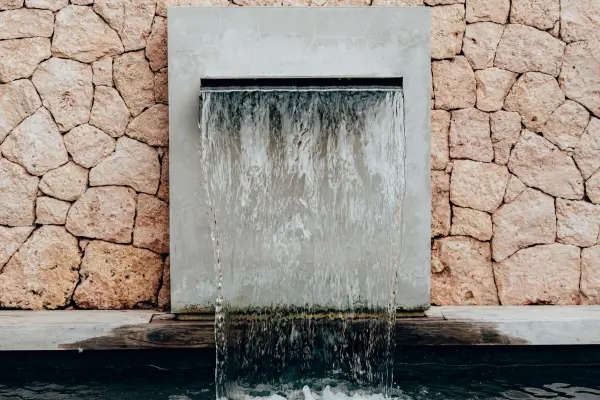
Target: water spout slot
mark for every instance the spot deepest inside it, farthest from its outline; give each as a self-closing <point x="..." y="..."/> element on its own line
<point x="300" y="84"/>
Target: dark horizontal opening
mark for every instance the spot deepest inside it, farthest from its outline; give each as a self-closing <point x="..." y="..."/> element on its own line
<point x="299" y="83"/>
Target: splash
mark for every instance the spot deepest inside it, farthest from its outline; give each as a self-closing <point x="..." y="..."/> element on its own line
<point x="307" y="394"/>
<point x="317" y="389"/>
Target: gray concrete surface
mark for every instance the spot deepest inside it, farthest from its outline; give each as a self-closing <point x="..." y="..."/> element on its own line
<point x="245" y="42"/>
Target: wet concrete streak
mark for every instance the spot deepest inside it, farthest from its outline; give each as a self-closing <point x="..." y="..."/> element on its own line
<point x="196" y="334"/>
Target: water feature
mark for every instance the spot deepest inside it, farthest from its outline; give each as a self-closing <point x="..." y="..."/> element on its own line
<point x="377" y="49"/>
<point x="305" y="186"/>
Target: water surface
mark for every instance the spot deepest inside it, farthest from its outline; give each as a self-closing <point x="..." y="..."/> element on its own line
<point x="555" y="372"/>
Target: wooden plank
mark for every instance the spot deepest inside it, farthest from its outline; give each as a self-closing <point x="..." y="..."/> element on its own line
<point x="91" y="330"/>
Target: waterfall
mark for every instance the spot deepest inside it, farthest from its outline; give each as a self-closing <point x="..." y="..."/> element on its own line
<point x="305" y="188"/>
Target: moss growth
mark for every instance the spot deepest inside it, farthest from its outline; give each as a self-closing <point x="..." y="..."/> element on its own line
<point x="295" y="312"/>
<point x="421" y="308"/>
<point x="194" y="309"/>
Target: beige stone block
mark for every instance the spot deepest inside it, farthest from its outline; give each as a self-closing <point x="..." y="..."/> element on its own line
<point x="116" y="276"/>
<point x="514" y="188"/>
<point x="18" y="190"/>
<point x="578" y="222"/>
<point x="447" y="30"/>
<point x="134" y="80"/>
<point x="132" y="20"/>
<point x="43" y="273"/>
<point x="164" y="295"/>
<point x="10" y="4"/>
<point x="541" y="14"/>
<point x="440" y="128"/>
<point x="161" y="86"/>
<point x="566" y="125"/>
<point x="480" y="42"/>
<point x="10" y="241"/>
<point x="156" y="49"/>
<point x="493" y="84"/>
<point x="526" y="49"/>
<point x="36" y="144"/>
<point x="478" y="185"/>
<point x="529" y="219"/>
<point x="468" y="222"/>
<point x="50" y="211"/>
<point x="163" y="190"/>
<point x="20" y="57"/>
<point x="105" y="213"/>
<point x="488" y="11"/>
<point x="470" y="135"/>
<point x="592" y="188"/>
<point x="66" y="90"/>
<point x="462" y="272"/>
<point x="587" y="151"/>
<point x="547" y="274"/>
<point x="66" y="183"/>
<point x="454" y="84"/>
<point x="88" y="145"/>
<point x="506" y="129"/>
<point x="102" y="70"/>
<point x="18" y="100"/>
<point x="540" y="164"/>
<point x="24" y="23"/>
<point x="80" y="34"/>
<point x="151" y="126"/>
<point x="580" y="74"/>
<point x="440" y="205"/>
<point x="590" y="275"/>
<point x="52" y="5"/>
<point x="133" y="164"/>
<point x="151" y="229"/>
<point x="579" y="20"/>
<point x="109" y="113"/>
<point x="535" y="96"/>
<point x="443" y="2"/>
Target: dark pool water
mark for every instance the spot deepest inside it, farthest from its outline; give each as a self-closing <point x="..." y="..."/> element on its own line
<point x="420" y="374"/>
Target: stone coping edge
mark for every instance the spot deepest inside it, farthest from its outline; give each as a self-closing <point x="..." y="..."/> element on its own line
<point x="468" y="325"/>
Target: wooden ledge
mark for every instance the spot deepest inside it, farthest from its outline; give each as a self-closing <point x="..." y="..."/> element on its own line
<point x="110" y="330"/>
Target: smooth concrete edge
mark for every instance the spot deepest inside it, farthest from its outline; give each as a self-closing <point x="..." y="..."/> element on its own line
<point x="201" y="46"/>
<point x="470" y="326"/>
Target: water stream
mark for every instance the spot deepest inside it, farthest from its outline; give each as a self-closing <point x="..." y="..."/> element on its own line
<point x="305" y="188"/>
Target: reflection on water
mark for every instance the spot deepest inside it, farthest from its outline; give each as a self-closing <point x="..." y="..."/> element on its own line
<point x="555" y="391"/>
<point x="420" y="382"/>
<point x="104" y="391"/>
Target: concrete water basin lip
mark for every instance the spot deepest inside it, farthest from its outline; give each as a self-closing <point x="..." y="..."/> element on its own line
<point x="441" y="326"/>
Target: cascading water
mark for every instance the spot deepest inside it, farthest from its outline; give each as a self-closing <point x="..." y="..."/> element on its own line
<point x="306" y="188"/>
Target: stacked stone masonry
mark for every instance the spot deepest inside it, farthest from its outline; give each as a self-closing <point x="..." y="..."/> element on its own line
<point x="515" y="151"/>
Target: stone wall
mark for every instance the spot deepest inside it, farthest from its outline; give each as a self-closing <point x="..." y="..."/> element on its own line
<point x="84" y="151"/>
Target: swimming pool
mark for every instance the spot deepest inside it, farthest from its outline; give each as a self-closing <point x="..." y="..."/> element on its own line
<point x="420" y="373"/>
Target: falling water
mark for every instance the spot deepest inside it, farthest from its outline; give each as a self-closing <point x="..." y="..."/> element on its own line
<point x="305" y="188"/>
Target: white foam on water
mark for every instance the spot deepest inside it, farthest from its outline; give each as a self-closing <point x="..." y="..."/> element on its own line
<point x="335" y="391"/>
<point x="307" y="394"/>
